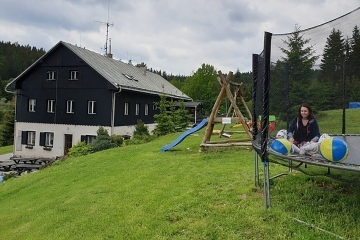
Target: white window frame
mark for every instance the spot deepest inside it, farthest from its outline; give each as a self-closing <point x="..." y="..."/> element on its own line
<point x="154" y="106"/>
<point x="31" y="138"/>
<point x="51" y="75"/>
<point x="137" y="108"/>
<point x="91" y="107"/>
<point x="49" y="139"/>
<point x="126" y="108"/>
<point x="50" y="105"/>
<point x="70" y="106"/>
<point x="74" y="75"/>
<point x="90" y="139"/>
<point x="146" y="111"/>
<point x="32" y="104"/>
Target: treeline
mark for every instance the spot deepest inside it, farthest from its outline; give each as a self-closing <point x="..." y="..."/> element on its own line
<point x="14" y="59"/>
<point x="326" y="80"/>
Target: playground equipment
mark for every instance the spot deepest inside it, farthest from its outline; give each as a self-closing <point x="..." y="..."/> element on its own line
<point x="184" y="135"/>
<point x="237" y="115"/>
<point x="272" y="57"/>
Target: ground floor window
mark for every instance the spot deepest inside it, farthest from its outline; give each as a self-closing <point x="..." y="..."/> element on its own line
<point x="88" y="139"/>
<point x="46" y="139"/>
<point x="31" y="138"/>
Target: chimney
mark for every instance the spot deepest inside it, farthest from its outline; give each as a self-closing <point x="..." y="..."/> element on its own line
<point x="109" y="55"/>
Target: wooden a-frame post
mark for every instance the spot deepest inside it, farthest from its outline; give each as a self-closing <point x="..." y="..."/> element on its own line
<point x="225" y="91"/>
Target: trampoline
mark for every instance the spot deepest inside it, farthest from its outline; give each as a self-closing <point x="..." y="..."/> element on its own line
<point x="351" y="163"/>
<point x="289" y="77"/>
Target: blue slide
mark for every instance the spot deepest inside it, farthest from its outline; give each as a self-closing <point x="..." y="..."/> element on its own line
<point x="202" y="124"/>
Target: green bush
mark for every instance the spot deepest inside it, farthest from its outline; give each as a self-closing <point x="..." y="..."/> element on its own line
<point x="141" y="131"/>
<point x="9" y="175"/>
<point x="103" y="140"/>
<point x="117" y="139"/>
<point x="80" y="149"/>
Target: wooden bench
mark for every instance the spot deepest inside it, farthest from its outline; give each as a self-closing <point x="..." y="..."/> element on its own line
<point x="25" y="167"/>
<point x="6" y="166"/>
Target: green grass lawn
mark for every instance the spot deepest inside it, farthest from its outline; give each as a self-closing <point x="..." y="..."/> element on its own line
<point x="6" y="149"/>
<point x="138" y="192"/>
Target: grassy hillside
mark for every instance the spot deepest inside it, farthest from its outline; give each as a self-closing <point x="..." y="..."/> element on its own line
<point x="137" y="192"/>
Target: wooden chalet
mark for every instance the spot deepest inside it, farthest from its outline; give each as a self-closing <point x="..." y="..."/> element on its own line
<point x="67" y="94"/>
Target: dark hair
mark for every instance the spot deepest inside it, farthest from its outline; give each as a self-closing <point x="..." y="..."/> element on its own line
<point x="311" y="114"/>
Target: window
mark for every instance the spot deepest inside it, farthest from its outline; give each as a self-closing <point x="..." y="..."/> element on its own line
<point x="51" y="75"/>
<point x="91" y="107"/>
<point x="49" y="139"/>
<point x="146" y="109"/>
<point x="154" y="106"/>
<point x="32" y="103"/>
<point x="137" y="109"/>
<point x="126" y="109"/>
<point x="74" y="75"/>
<point x="88" y="139"/>
<point x="50" y="106"/>
<point x="70" y="106"/>
<point x="46" y="139"/>
<point x="30" y="138"/>
<point x="130" y="77"/>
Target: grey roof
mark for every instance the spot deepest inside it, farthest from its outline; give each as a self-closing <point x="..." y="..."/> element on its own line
<point x="190" y="104"/>
<point x="125" y="75"/>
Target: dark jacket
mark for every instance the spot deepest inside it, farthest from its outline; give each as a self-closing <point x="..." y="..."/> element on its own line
<point x="312" y="131"/>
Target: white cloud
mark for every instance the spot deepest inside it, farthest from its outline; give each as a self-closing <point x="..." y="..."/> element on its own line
<point x="173" y="36"/>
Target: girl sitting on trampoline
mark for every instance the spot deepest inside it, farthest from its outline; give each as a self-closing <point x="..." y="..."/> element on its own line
<point x="303" y="129"/>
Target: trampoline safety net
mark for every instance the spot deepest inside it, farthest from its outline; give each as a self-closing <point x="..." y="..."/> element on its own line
<point x="318" y="65"/>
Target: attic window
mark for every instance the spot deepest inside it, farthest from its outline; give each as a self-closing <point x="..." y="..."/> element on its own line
<point x="130" y="77"/>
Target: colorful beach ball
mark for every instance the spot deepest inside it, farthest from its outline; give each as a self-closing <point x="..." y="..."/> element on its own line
<point x="281" y="146"/>
<point x="334" y="149"/>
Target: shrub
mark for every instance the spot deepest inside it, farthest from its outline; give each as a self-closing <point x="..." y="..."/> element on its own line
<point x="141" y="131"/>
<point x="103" y="140"/>
<point x="80" y="149"/>
<point x="117" y="139"/>
<point x="9" y="175"/>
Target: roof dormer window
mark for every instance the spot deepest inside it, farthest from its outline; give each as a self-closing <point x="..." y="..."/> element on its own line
<point x="130" y="77"/>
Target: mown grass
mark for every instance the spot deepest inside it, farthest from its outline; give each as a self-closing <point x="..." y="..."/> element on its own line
<point x="137" y="192"/>
<point x="6" y="149"/>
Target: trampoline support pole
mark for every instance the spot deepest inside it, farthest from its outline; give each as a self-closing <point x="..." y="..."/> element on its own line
<point x="256" y="165"/>
<point x="266" y="185"/>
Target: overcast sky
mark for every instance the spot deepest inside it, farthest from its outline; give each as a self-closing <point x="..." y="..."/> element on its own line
<point x="175" y="36"/>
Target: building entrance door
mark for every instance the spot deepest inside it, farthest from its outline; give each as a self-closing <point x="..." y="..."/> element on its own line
<point x="67" y="144"/>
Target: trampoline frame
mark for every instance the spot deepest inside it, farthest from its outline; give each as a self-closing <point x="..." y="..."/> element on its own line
<point x="260" y="136"/>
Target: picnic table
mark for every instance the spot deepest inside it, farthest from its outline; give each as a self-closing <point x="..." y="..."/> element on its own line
<point x="25" y="160"/>
<point x="7" y="166"/>
<point x="26" y="166"/>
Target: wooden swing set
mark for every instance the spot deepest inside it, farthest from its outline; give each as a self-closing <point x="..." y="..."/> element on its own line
<point x="233" y="115"/>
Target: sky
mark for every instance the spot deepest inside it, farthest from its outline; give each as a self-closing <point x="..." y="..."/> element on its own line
<point x="175" y="36"/>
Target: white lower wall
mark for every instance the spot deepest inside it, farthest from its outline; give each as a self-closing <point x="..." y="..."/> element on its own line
<point x="59" y="131"/>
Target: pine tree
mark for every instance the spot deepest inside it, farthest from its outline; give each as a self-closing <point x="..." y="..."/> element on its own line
<point x="332" y="69"/>
<point x="332" y="63"/>
<point x="7" y="124"/>
<point x="298" y="61"/>
<point x="164" y="120"/>
<point x="354" y="54"/>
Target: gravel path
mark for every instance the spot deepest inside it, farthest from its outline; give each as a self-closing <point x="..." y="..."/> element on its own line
<point x="5" y="157"/>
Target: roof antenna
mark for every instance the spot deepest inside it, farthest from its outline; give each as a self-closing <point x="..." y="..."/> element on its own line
<point x="107" y="54"/>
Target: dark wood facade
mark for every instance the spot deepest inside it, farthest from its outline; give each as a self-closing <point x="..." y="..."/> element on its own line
<point x="72" y="86"/>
